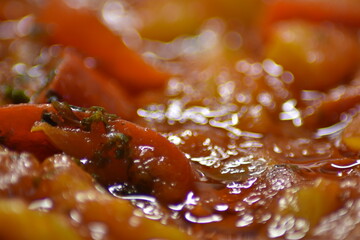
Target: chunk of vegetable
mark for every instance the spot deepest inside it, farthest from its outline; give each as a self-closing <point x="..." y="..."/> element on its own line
<point x="345" y="11"/>
<point x="165" y="20"/>
<point x="351" y="134"/>
<point x="17" y="173"/>
<point x="319" y="56"/>
<point x="82" y="29"/>
<point x="80" y="85"/>
<point x="153" y="164"/>
<point x="16" y="122"/>
<point x="72" y="190"/>
<point x="17" y="222"/>
<point x="311" y="203"/>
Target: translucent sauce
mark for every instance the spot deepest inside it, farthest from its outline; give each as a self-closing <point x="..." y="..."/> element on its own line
<point x="219" y="120"/>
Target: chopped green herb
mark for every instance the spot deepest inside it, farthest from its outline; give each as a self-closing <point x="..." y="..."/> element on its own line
<point x="48" y="118"/>
<point x="117" y="145"/>
<point x="65" y="111"/>
<point x="16" y="95"/>
<point x="98" y="114"/>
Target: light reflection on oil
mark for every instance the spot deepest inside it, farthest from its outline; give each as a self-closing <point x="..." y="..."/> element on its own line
<point x="288" y="227"/>
<point x="290" y="112"/>
<point x="207" y="219"/>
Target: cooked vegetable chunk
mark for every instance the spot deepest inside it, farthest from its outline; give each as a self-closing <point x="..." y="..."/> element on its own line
<point x="315" y="202"/>
<point x="84" y="86"/>
<point x="116" y="149"/>
<point x="15" y="130"/>
<point x="346" y="11"/>
<point x="81" y="28"/>
<point x="351" y="134"/>
<point x="319" y="56"/>
<point x="154" y="165"/>
<point x="15" y="219"/>
<point x="73" y="193"/>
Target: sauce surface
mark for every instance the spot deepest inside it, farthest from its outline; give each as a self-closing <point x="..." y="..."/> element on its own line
<point x="179" y="119"/>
